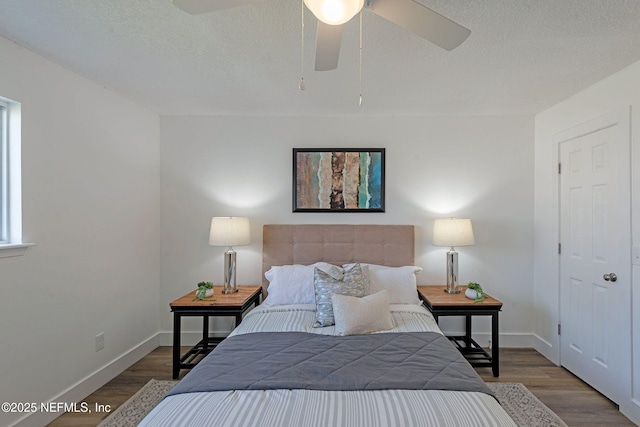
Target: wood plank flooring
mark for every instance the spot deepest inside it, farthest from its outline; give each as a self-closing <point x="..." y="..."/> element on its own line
<point x="574" y="401"/>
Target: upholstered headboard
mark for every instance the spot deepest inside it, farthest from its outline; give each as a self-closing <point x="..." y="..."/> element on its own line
<point x="391" y="245"/>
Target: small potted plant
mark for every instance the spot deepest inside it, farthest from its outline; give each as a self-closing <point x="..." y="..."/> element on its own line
<point x="474" y="291"/>
<point x="204" y="290"/>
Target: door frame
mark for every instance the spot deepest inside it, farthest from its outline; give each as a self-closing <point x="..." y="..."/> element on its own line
<point x="621" y="118"/>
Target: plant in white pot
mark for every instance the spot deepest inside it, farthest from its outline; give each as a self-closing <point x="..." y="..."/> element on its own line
<point x="204" y="290"/>
<point x="474" y="291"/>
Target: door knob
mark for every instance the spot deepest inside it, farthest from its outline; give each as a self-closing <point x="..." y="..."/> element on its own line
<point x="611" y="277"/>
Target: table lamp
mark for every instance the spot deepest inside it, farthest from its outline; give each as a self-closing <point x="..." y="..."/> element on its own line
<point x="229" y="231"/>
<point x="452" y="232"/>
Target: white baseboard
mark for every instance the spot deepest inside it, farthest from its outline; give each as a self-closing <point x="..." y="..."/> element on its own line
<point x="506" y="340"/>
<point x="631" y="410"/>
<point x="91" y="383"/>
<point x="547" y="349"/>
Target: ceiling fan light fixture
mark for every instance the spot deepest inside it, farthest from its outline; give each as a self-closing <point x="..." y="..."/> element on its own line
<point x="334" y="12"/>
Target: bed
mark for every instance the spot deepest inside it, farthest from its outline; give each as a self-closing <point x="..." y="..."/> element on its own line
<point x="341" y="339"/>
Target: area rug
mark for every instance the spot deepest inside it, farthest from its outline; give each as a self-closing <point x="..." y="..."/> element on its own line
<point x="525" y="409"/>
<point x="131" y="412"/>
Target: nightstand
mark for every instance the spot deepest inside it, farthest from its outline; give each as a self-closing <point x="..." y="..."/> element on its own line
<point x="218" y="305"/>
<point x="441" y="303"/>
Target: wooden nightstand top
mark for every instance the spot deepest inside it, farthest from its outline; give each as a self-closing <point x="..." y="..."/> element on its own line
<point x="436" y="297"/>
<point x="238" y="299"/>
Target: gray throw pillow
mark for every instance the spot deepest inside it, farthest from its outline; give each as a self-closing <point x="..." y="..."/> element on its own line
<point x="351" y="284"/>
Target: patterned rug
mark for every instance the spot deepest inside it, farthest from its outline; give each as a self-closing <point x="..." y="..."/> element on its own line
<point x="131" y="412"/>
<point x="525" y="409"/>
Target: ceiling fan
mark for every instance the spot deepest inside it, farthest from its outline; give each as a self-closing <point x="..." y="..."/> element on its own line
<point x="333" y="14"/>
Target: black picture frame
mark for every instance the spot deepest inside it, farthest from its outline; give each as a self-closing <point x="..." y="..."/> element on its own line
<point x="338" y="180"/>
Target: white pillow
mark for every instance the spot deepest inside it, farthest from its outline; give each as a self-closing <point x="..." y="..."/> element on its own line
<point x="355" y="315"/>
<point x="293" y="284"/>
<point x="399" y="281"/>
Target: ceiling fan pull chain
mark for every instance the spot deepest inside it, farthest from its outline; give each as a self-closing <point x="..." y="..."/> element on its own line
<point x="302" y="85"/>
<point x="360" y="101"/>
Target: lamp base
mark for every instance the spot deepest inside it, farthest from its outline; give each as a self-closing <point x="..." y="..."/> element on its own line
<point x="452" y="272"/>
<point x="229" y="286"/>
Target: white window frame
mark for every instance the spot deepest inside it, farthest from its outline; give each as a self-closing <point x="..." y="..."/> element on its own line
<point x="4" y="172"/>
<point x="11" y="243"/>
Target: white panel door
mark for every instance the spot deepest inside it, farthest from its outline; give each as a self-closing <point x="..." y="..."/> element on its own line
<point x="595" y="268"/>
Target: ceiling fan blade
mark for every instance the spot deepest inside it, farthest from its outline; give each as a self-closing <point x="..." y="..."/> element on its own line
<point x="422" y="21"/>
<point x="196" y="7"/>
<point x="328" y="40"/>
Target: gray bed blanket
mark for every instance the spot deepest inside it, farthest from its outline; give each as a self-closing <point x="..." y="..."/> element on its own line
<point x="299" y="360"/>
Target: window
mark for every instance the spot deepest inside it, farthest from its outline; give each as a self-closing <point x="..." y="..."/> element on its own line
<point x="4" y="180"/>
<point x="11" y="243"/>
<point x="4" y="172"/>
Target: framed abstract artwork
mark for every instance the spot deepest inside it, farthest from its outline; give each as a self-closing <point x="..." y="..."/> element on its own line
<point x="338" y="179"/>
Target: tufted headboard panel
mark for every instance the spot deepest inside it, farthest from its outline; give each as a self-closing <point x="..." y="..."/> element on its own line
<point x="391" y="245"/>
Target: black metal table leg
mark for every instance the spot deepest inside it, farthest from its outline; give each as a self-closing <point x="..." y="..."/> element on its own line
<point x="176" y="344"/>
<point x="467" y="335"/>
<point x="495" y="345"/>
<point x="205" y="332"/>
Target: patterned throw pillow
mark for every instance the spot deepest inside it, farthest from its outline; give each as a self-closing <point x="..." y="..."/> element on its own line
<point x="351" y="284"/>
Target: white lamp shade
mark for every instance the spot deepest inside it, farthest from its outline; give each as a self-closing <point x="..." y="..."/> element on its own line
<point x="453" y="232"/>
<point x="229" y="231"/>
<point x="334" y="12"/>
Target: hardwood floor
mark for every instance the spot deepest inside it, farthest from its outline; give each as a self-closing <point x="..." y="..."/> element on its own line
<point x="574" y="401"/>
<point x="565" y="394"/>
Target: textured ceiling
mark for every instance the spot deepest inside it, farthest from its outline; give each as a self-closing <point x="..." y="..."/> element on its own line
<point x="522" y="57"/>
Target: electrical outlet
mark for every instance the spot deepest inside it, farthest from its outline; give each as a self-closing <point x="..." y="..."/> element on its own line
<point x="100" y="341"/>
<point x="635" y="255"/>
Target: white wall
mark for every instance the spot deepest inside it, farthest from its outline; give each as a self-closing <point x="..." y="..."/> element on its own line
<point x="618" y="91"/>
<point x="476" y="167"/>
<point x="90" y="203"/>
<point x="93" y="188"/>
